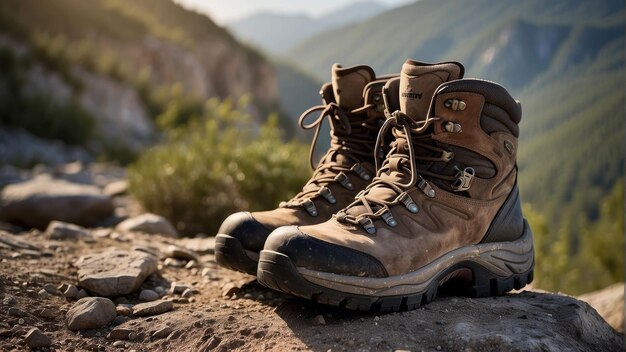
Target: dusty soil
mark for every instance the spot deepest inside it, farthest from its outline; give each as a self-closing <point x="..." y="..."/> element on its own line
<point x="231" y="310"/>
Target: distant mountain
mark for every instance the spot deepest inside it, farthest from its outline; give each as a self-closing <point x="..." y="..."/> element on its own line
<point x="563" y="59"/>
<point x="275" y="33"/>
<point x="485" y="34"/>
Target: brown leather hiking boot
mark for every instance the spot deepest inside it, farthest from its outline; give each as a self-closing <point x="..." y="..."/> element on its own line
<point x="354" y="106"/>
<point x="443" y="209"/>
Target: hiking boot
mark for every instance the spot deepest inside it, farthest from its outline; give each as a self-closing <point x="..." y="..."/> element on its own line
<point x="442" y="213"/>
<point x="353" y="105"/>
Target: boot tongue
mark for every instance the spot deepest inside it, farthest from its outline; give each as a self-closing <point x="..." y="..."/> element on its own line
<point x="348" y="84"/>
<point x="418" y="82"/>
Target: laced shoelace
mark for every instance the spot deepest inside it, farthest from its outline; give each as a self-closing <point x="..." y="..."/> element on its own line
<point x="351" y="137"/>
<point x="410" y="134"/>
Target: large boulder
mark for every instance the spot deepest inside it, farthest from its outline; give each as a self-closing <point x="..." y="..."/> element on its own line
<point x="90" y="313"/>
<point x="115" y="273"/>
<point x="528" y="321"/>
<point x="36" y="202"/>
<point x="609" y="302"/>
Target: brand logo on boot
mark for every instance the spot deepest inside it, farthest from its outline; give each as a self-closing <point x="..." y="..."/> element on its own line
<point x="411" y="95"/>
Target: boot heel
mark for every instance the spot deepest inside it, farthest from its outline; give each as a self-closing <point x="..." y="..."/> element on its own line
<point x="485" y="284"/>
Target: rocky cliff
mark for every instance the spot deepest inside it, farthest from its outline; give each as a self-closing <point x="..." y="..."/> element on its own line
<point x="124" y="64"/>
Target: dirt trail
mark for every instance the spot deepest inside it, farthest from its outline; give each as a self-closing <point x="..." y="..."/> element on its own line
<point x="232" y="311"/>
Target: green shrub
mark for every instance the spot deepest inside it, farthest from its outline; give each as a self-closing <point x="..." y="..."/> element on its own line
<point x="215" y="165"/>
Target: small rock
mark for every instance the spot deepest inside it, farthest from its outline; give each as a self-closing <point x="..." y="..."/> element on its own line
<point x="319" y="320"/>
<point x="119" y="320"/>
<point x="152" y="308"/>
<point x="123" y="310"/>
<point x="229" y="290"/>
<point x="35" y="338"/>
<point x="148" y="223"/>
<point x="162" y="333"/>
<point x="150" y="250"/>
<point x="206" y="272"/>
<point x="115" y="273"/>
<point x="11" y="241"/>
<point x="48" y="313"/>
<point x="192" y="264"/>
<point x="178" y="288"/>
<point x="51" y="289"/>
<point x="71" y="292"/>
<point x="174" y="263"/>
<point x="43" y="293"/>
<point x="188" y="293"/>
<point x="159" y="289"/>
<point x="58" y="230"/>
<point x="90" y="313"/>
<point x="9" y="301"/>
<point x="212" y="343"/>
<point x="148" y="295"/>
<point x="116" y="188"/>
<point x="178" y="252"/>
<point x="119" y="344"/>
<point x="16" y="312"/>
<point x="120" y="333"/>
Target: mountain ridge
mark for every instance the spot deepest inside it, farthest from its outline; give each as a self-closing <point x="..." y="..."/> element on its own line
<point x="276" y="33"/>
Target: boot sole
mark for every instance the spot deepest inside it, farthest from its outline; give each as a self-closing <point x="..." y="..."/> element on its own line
<point x="230" y="253"/>
<point x="481" y="270"/>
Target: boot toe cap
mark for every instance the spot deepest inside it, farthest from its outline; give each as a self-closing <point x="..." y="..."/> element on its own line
<point x="244" y="227"/>
<point x="314" y="254"/>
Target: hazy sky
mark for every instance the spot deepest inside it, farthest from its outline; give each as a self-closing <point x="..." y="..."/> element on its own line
<point x="224" y="11"/>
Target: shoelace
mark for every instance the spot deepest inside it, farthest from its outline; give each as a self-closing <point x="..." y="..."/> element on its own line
<point x="352" y="139"/>
<point x="397" y="160"/>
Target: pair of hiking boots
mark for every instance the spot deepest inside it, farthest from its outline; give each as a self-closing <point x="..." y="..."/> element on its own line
<point x="417" y="194"/>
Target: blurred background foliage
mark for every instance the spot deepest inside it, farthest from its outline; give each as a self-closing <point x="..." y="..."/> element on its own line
<point x="216" y="164"/>
<point x="213" y="114"/>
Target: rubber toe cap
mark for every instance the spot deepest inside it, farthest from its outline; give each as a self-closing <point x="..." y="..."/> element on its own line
<point x="311" y="253"/>
<point x="251" y="233"/>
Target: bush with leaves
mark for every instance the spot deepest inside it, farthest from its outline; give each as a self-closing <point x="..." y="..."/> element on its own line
<point x="218" y="164"/>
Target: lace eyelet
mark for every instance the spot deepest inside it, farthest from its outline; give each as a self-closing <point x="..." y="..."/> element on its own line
<point x="368" y="225"/>
<point x="408" y="202"/>
<point x="328" y="195"/>
<point x="388" y="217"/>
<point x="344" y="181"/>
<point x="452" y="127"/>
<point x="425" y="187"/>
<point x="310" y="207"/>
<point x="361" y="171"/>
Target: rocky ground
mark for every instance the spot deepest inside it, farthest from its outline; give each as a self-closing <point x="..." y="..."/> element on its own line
<point x="134" y="285"/>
